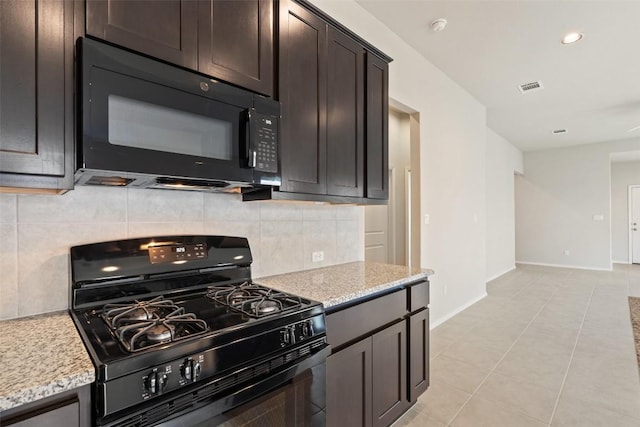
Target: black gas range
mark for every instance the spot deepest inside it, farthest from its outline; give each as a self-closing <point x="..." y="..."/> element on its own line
<point x="181" y="336"/>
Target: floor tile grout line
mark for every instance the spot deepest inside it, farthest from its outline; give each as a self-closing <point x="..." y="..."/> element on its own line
<point x="496" y="365"/>
<point x="573" y="351"/>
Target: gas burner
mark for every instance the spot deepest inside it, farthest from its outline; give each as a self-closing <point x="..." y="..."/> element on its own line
<point x="160" y="332"/>
<point x="156" y="330"/>
<point x="118" y="315"/>
<point x="253" y="300"/>
<point x="267" y="307"/>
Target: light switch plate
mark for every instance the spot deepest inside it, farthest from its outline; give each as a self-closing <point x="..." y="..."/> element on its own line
<point x="598" y="217"/>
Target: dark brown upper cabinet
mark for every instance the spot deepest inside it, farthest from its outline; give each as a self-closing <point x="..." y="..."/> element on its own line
<point x="229" y="40"/>
<point x="164" y="29"/>
<point x="334" y="135"/>
<point x="36" y="82"/>
<point x="377" y="128"/>
<point x="235" y="42"/>
<point x="345" y="116"/>
<point x="303" y="94"/>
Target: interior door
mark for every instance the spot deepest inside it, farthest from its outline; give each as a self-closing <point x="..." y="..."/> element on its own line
<point x="376" y="233"/>
<point x="635" y="225"/>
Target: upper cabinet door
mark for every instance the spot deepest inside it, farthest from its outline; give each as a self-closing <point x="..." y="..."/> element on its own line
<point x="345" y="116"/>
<point x="164" y="29"/>
<point x="235" y="42"/>
<point x="377" y="128"/>
<point x="303" y="93"/>
<point x="35" y="107"/>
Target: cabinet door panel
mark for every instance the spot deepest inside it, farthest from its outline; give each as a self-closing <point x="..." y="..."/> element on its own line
<point x="377" y="146"/>
<point x="345" y="116"/>
<point x="303" y="40"/>
<point x="164" y="29"/>
<point x="389" y="372"/>
<point x="349" y="386"/>
<point x="32" y="82"/>
<point x="65" y="416"/>
<point x="235" y="42"/>
<point x="418" y="354"/>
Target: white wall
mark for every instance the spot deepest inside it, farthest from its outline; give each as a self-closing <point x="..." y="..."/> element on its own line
<point x="503" y="160"/>
<point x="37" y="231"/>
<point x="555" y="202"/>
<point x="623" y="174"/>
<point x="452" y="154"/>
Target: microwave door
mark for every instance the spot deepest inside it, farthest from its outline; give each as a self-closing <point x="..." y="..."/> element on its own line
<point x="139" y="126"/>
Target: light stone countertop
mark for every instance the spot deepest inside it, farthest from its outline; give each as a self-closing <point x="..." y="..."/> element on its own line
<point x="41" y="356"/>
<point x="344" y="283"/>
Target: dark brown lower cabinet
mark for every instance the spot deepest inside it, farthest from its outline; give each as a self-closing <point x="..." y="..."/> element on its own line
<point x="68" y="409"/>
<point x="380" y="361"/>
<point x="418" y="324"/>
<point x="389" y="371"/>
<point x="349" y="386"/>
<point x="366" y="381"/>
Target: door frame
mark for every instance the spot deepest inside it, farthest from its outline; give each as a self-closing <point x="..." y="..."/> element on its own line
<point x="629" y="216"/>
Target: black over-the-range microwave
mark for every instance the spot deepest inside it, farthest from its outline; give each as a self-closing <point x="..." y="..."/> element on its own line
<point x="143" y="123"/>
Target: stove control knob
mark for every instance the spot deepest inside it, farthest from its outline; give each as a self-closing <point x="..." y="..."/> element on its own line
<point x="156" y="382"/>
<point x="306" y="329"/>
<point x="196" y="369"/>
<point x="285" y="337"/>
<point x="191" y="370"/>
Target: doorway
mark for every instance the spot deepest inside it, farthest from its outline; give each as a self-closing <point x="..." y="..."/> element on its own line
<point x="391" y="234"/>
<point x="634" y="222"/>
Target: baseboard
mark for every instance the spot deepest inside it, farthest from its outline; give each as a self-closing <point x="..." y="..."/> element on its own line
<point x="579" y="267"/>
<point x="500" y="274"/>
<point x="620" y="262"/>
<point x="438" y="322"/>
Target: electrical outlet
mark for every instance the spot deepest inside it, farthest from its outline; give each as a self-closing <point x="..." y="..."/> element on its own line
<point x="444" y="290"/>
<point x="566" y="252"/>
<point x="427" y="219"/>
<point x="317" y="256"/>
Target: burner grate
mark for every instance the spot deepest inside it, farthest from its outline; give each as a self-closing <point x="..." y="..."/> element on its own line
<point x="143" y="324"/>
<point x="253" y="300"/>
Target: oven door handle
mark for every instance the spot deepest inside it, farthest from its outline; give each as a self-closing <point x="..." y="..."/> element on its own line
<point x="248" y="393"/>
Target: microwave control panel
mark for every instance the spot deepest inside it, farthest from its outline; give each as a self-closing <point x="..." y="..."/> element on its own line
<point x="265" y="143"/>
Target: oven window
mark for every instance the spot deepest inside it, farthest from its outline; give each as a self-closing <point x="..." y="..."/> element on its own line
<point x="138" y="124"/>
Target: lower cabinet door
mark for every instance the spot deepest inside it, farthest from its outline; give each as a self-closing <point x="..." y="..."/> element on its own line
<point x="418" y="354"/>
<point x="349" y="386"/>
<point x="389" y="372"/>
<point x="64" y="416"/>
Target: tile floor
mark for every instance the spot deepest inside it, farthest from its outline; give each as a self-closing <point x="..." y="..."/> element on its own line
<point x="547" y="347"/>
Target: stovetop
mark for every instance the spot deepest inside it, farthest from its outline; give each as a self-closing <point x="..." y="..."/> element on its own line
<point x="123" y="330"/>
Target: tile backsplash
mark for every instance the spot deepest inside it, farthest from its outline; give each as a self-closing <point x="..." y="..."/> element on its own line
<point x="36" y="232"/>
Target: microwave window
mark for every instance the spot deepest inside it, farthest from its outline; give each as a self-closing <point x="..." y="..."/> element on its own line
<point x="138" y="124"/>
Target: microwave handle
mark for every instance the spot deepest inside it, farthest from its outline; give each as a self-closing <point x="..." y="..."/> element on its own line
<point x="251" y="153"/>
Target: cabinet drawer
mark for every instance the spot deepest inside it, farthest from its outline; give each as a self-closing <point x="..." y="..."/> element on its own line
<point x="361" y="319"/>
<point x="418" y="296"/>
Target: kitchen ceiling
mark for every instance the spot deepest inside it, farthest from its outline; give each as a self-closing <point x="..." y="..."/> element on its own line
<point x="591" y="88"/>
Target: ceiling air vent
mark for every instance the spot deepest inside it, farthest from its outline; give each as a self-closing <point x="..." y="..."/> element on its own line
<point x="559" y="131"/>
<point x="531" y="86"/>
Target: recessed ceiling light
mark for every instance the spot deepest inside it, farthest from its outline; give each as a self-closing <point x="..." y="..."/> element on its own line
<point x="572" y="38"/>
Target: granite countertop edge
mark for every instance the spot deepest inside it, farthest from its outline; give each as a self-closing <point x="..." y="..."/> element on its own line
<point x="61" y="361"/>
<point x="333" y="303"/>
<point x="344" y="284"/>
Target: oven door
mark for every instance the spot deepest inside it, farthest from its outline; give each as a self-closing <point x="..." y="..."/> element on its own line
<point x="291" y="398"/>
<point x="143" y="116"/>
